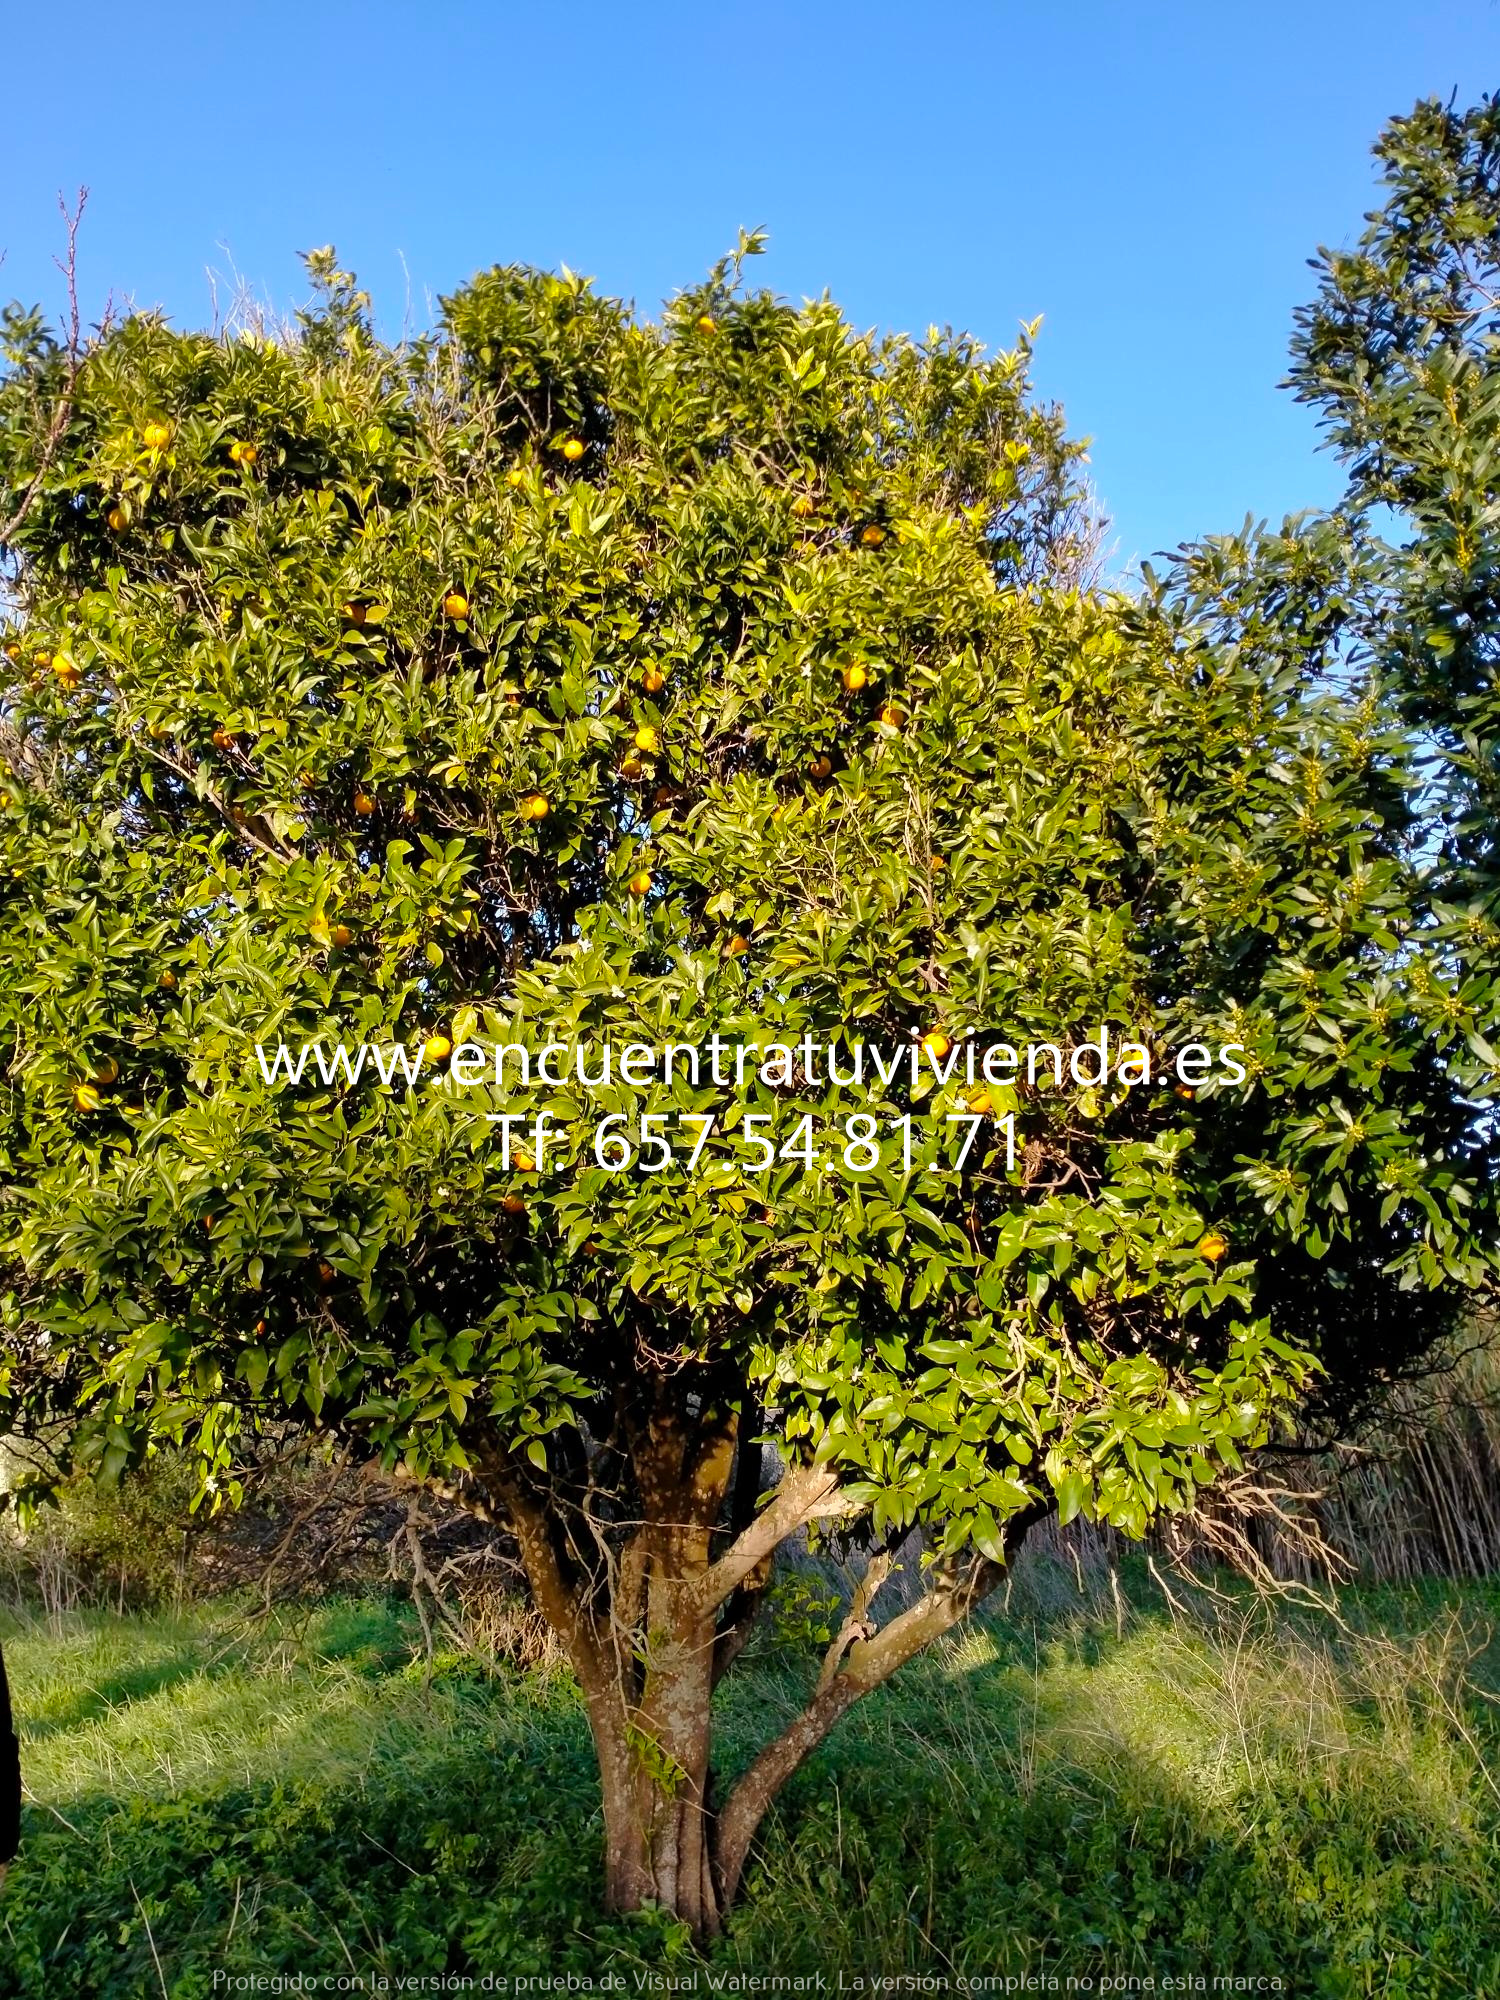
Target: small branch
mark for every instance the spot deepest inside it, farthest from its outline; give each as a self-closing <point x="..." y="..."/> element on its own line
<point x="62" y="416"/>
<point x="806" y="1493"/>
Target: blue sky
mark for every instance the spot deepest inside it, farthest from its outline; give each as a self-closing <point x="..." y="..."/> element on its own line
<point x="1149" y="178"/>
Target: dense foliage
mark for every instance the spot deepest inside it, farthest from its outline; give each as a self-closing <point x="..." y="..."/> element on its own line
<point x="564" y="678"/>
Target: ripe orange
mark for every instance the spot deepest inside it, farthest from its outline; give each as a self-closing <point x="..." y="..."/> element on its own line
<point x="820" y="767"/>
<point x="157" y="436"/>
<point x="646" y="739"/>
<point x="936" y="1043"/>
<point x="939" y="861"/>
<point x="736" y="946"/>
<point x="872" y="536"/>
<point x="573" y="449"/>
<point x="118" y="520"/>
<point x="706" y="323"/>
<point x="326" y="1272"/>
<point x="640" y="883"/>
<point x="892" y="716"/>
<point x="222" y="739"/>
<point x="802" y="506"/>
<point x="364" y="805"/>
<point x="653" y="680"/>
<point x="341" y="934"/>
<point x="1186" y="1092"/>
<point x="168" y="979"/>
<point x="981" y="1104"/>
<point x="13" y="650"/>
<point x="1213" y="1246"/>
<point x="516" y="476"/>
<point x="65" y="670"/>
<point x="241" y="453"/>
<point x="535" y="806"/>
<point x="436" y="1049"/>
<point x="354" y="613"/>
<point x="856" y="677"/>
<point x="108" y="1072"/>
<point x="455" y="605"/>
<point x="85" y="1097"/>
<point x="631" y="766"/>
<point x="514" y="1204"/>
<point x="523" y="1163"/>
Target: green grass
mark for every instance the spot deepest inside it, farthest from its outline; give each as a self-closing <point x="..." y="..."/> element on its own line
<point x="1272" y="1797"/>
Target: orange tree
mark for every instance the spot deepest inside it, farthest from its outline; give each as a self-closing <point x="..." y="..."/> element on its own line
<point x="567" y="679"/>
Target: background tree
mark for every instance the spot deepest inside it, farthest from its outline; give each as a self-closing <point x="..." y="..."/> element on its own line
<point x="565" y="677"/>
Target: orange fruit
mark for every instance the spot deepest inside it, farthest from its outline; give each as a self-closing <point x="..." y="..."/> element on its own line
<point x="85" y="1097"/>
<point x="516" y="476"/>
<point x="939" y="861"/>
<point x="646" y="739"/>
<point x="364" y="805"/>
<point x="706" y="323"/>
<point x="892" y="716"/>
<point x="736" y="946"/>
<point x="802" y="506"/>
<point x="936" y="1043"/>
<point x="820" y="767"/>
<point x="157" y="436"/>
<point x="523" y="1163"/>
<point x="653" y="680"/>
<point x="640" y="883"/>
<point x="981" y="1104"/>
<point x="1213" y="1246"/>
<point x="514" y="1204"/>
<point x="573" y="449"/>
<point x="354" y="613"/>
<point x="872" y="536"/>
<point x="631" y="766"/>
<point x="169" y="979"/>
<point x="118" y="520"/>
<point x="326" y="1272"/>
<point x="855" y="677"/>
<point x="341" y="934"/>
<point x="108" y="1072"/>
<point x="535" y="806"/>
<point x="1186" y="1092"/>
<point x="436" y="1049"/>
<point x="455" y="605"/>
<point x="241" y="453"/>
<point x="13" y="650"/>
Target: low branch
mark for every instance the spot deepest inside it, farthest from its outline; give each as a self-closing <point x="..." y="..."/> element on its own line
<point x="806" y="1493"/>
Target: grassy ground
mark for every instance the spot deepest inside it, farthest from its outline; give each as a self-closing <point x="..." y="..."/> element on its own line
<point x="1262" y="1798"/>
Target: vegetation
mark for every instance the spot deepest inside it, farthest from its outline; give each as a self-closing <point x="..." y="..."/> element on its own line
<point x="1251" y="1795"/>
<point x="566" y="679"/>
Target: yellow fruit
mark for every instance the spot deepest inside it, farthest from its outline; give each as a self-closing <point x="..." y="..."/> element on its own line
<point x="364" y="805"/>
<point x="640" y="883"/>
<point x="65" y="670"/>
<point x="222" y="739"/>
<point x="516" y="476"/>
<point x="85" y="1097"/>
<point x="107" y="1073"/>
<point x="872" y="536"/>
<point x="341" y="934"/>
<point x="939" y="861"/>
<point x="1186" y="1092"/>
<point x="892" y="716"/>
<point x="455" y="605"/>
<point x="981" y="1104"/>
<point x="706" y="323"/>
<point x="118" y="520"/>
<point x="535" y="806"/>
<point x="169" y="979"/>
<point x="1213" y="1246"/>
<point x="736" y="946"/>
<point x="514" y="1204"/>
<point x="631" y="767"/>
<point x="436" y="1049"/>
<point x="572" y="449"/>
<point x="241" y="453"/>
<point x="802" y="506"/>
<point x="13" y="650"/>
<point x="157" y="436"/>
<point x="523" y="1163"/>
<point x="647" y="740"/>
<point x="856" y="677"/>
<point x="353" y="613"/>
<point x="653" y="680"/>
<point x="936" y="1043"/>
